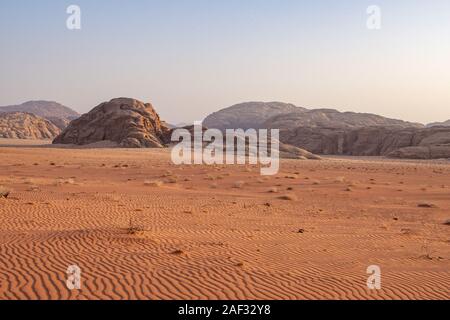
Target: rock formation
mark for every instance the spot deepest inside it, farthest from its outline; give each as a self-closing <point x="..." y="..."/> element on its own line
<point x="277" y="115"/>
<point x="371" y="141"/>
<point x="285" y="152"/>
<point x="129" y="123"/>
<point x="58" y="114"/>
<point x="20" y="125"/>
<point x="439" y="124"/>
<point x="328" y="131"/>
<point x="329" y="118"/>
<point x="247" y="115"/>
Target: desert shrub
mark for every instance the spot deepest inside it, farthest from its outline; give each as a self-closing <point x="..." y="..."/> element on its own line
<point x="4" y="192"/>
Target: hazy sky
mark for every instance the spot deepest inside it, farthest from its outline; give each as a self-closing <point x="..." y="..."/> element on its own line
<point x="192" y="57"/>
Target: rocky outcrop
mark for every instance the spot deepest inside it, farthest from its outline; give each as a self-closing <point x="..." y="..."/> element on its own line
<point x="291" y="152"/>
<point x="424" y="152"/>
<point x="285" y="151"/>
<point x="61" y="123"/>
<point x="371" y="141"/>
<point x="439" y="124"/>
<point x="320" y="131"/>
<point x="20" y="125"/>
<point x="278" y="115"/>
<point x="128" y="122"/>
<point x="247" y="115"/>
<point x="329" y="118"/>
<point x="58" y="114"/>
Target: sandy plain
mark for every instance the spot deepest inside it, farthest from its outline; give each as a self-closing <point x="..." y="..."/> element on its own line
<point x="140" y="227"/>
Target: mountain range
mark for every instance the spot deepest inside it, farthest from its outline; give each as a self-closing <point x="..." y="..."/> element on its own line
<point x="132" y="123"/>
<point x="328" y="131"/>
<point x="287" y="116"/>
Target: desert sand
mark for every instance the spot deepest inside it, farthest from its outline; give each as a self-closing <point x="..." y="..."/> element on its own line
<point x="140" y="227"/>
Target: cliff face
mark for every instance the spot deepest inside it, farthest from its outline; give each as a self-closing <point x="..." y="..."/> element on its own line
<point x="128" y="122"/>
<point x="371" y="141"/>
<point x="20" y="125"/>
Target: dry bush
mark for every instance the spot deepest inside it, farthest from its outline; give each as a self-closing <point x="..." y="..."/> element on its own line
<point x="172" y="179"/>
<point x="426" y="205"/>
<point x="291" y="197"/>
<point x="69" y="181"/>
<point x="427" y="251"/>
<point x="61" y="181"/>
<point x="238" y="184"/>
<point x="134" y="227"/>
<point x="168" y="173"/>
<point x="29" y="181"/>
<point x="273" y="190"/>
<point x="4" y="192"/>
<point x="153" y="183"/>
<point x="339" y="179"/>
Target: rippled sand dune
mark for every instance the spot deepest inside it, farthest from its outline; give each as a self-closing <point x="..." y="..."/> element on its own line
<point x="142" y="228"/>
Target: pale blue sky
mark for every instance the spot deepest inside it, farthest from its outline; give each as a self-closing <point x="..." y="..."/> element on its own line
<point x="193" y="57"/>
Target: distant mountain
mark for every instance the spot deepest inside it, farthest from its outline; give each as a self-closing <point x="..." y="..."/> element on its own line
<point x="248" y="115"/>
<point x="278" y="115"/>
<point x="57" y="113"/>
<point x="21" y="125"/>
<point x="328" y="131"/>
<point x="439" y="124"/>
<point x="178" y="125"/>
<point x="331" y="118"/>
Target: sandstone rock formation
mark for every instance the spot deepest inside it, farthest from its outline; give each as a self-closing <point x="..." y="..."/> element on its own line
<point x="247" y="115"/>
<point x="129" y="123"/>
<point x="328" y="131"/>
<point x="424" y="152"/>
<point x="61" y="123"/>
<point x="329" y="118"/>
<point x="288" y="151"/>
<point x="20" y="125"/>
<point x="277" y="115"/>
<point x="439" y="124"/>
<point x="58" y="114"/>
<point x="371" y="141"/>
<point x="285" y="151"/>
